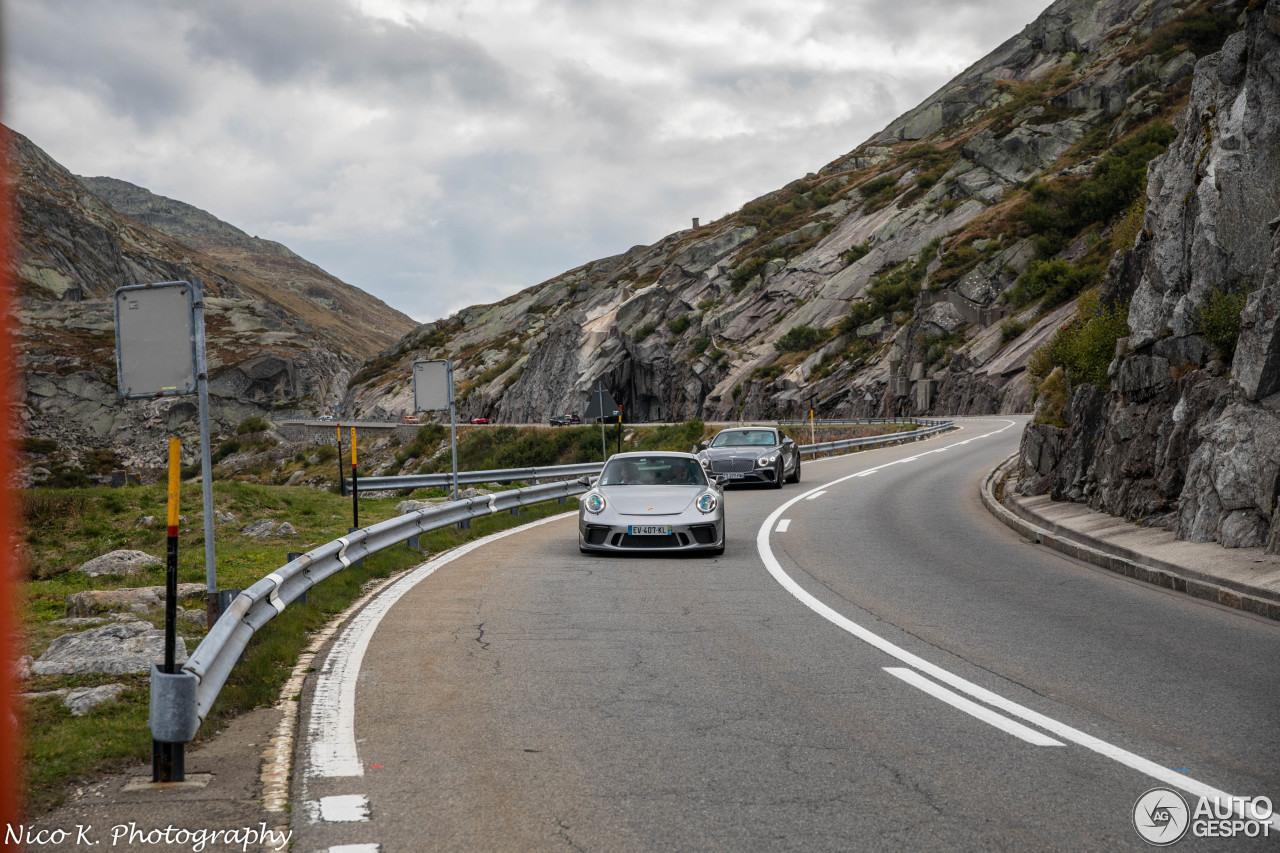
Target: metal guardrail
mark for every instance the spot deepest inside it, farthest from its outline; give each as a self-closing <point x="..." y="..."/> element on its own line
<point x="877" y="440"/>
<point x="211" y="663"/>
<point x="180" y="702"/>
<point x="466" y="478"/>
<point x="590" y="469"/>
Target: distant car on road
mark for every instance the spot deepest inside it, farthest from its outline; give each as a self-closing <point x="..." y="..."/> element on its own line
<point x="751" y="455"/>
<point x="650" y="502"/>
<point x="326" y="417"/>
<point x="565" y="420"/>
<point x="480" y="420"/>
<point x="410" y="419"/>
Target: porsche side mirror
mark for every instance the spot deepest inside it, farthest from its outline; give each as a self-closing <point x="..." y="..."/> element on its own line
<point x="721" y="479"/>
<point x="584" y="481"/>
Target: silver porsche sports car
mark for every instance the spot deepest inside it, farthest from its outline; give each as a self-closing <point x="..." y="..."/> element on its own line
<point x="652" y="501"/>
<point x="751" y="455"/>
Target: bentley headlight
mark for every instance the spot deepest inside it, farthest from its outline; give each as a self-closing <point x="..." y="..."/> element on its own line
<point x="765" y="461"/>
<point x="595" y="503"/>
<point x="707" y="503"/>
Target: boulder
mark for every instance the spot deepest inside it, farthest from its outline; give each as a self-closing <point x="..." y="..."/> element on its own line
<point x="116" y="649"/>
<point x="260" y="529"/>
<point x="20" y="669"/>
<point x="82" y="700"/>
<point x="286" y="529"/>
<point x="120" y="563"/>
<point x="95" y="601"/>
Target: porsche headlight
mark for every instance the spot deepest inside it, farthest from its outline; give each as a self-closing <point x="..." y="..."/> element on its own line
<point x="595" y="503"/>
<point x="707" y="503"/>
<point x="766" y="461"/>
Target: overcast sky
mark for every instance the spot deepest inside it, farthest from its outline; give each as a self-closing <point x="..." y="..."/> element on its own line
<point x="443" y="153"/>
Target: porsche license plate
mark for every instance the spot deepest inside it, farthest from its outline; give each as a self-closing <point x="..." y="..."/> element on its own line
<point x="649" y="530"/>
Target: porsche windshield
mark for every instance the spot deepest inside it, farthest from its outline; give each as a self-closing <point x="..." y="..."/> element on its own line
<point x="653" y="471"/>
<point x="746" y="438"/>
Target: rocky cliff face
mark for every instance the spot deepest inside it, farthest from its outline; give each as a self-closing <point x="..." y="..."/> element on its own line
<point x="895" y="277"/>
<point x="1185" y="433"/>
<point x="273" y="339"/>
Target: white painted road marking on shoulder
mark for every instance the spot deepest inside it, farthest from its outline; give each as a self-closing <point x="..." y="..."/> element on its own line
<point x="987" y="715"/>
<point x="333" y="707"/>
<point x="783" y="525"/>
<point x="356" y="848"/>
<point x="815" y="495"/>
<point x="1062" y="730"/>
<point x="344" y="808"/>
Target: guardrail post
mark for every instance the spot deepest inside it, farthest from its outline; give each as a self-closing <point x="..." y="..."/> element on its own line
<point x="289" y="558"/>
<point x="465" y="524"/>
<point x="359" y="562"/>
<point x="413" y="542"/>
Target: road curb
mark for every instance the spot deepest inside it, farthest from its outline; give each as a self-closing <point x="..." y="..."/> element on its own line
<point x="1122" y="560"/>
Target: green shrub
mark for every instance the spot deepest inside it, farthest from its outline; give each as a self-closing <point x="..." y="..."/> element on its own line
<point x="800" y="339"/>
<point x="1054" y="281"/>
<point x="222" y="451"/>
<point x="251" y="425"/>
<point x="326" y="453"/>
<point x="855" y="253"/>
<point x="1011" y="330"/>
<point x="1218" y="321"/>
<point x="646" y="330"/>
<point x="680" y="324"/>
<point x="1085" y="347"/>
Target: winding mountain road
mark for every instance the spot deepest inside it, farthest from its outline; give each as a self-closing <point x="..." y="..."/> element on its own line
<point x="874" y="664"/>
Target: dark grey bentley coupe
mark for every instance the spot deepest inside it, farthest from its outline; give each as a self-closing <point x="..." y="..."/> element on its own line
<point x="751" y="455"/>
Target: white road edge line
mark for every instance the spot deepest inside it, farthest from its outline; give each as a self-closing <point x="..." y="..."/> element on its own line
<point x="333" y="707"/>
<point x="783" y="525"/>
<point x="344" y="808"/>
<point x="815" y="495"/>
<point x="973" y="709"/>
<point x="1062" y="730"/>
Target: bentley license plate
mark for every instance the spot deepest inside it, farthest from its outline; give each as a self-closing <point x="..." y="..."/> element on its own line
<point x="649" y="530"/>
<point x="734" y="476"/>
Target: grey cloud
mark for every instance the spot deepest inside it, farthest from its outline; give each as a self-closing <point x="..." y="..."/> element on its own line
<point x="328" y="42"/>
<point x="123" y="59"/>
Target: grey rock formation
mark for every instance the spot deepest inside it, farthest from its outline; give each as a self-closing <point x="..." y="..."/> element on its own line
<point x="260" y="529"/>
<point x="115" y="649"/>
<point x="99" y="601"/>
<point x="124" y="562"/>
<point x="82" y="700"/>
<point x="1182" y="435"/>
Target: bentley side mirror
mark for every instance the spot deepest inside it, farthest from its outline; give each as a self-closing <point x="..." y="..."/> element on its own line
<point x="704" y="444"/>
<point x="788" y="440"/>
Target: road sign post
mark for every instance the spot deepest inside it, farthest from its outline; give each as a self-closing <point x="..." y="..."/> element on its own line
<point x="602" y="406"/>
<point x="160" y="352"/>
<point x="433" y="392"/>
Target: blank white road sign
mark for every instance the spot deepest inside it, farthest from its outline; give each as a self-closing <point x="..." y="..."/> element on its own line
<point x="432" y="385"/>
<point x="155" y="340"/>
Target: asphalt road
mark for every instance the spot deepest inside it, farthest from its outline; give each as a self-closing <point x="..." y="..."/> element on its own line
<point x="784" y="696"/>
